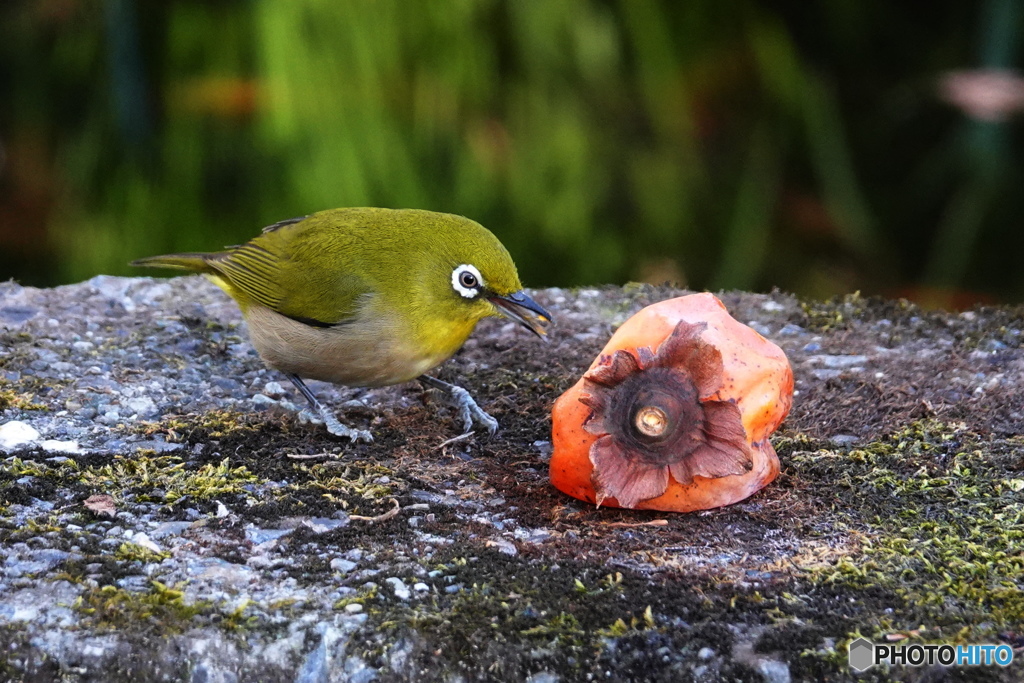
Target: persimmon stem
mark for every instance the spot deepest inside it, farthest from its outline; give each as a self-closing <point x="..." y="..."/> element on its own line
<point x="651" y="421"/>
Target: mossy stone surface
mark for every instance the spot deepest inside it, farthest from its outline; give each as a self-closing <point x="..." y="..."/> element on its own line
<point x="249" y="546"/>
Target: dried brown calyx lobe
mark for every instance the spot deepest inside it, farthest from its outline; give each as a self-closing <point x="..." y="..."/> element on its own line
<point x="655" y="416"/>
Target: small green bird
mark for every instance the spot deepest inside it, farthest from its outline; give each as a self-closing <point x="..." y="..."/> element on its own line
<point x="368" y="297"/>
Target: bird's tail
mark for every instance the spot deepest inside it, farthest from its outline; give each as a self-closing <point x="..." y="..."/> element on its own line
<point x="196" y="262"/>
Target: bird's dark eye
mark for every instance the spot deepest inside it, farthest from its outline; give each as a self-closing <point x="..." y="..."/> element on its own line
<point x="467" y="280"/>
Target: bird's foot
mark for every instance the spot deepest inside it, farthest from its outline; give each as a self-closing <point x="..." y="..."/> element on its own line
<point x="470" y="412"/>
<point x="320" y="415"/>
<point x="334" y="425"/>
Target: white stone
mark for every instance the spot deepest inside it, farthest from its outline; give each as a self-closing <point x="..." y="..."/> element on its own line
<point x="774" y="671"/>
<point x="143" y="540"/>
<point x="15" y="434"/>
<point x="274" y="389"/>
<point x="342" y="566"/>
<point x="54" y="446"/>
<point x="399" y="587"/>
<point x="142" y="406"/>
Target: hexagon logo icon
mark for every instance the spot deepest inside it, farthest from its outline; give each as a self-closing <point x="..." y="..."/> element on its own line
<point x="862" y="654"/>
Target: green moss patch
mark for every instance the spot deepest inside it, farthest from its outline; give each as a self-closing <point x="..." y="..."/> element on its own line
<point x="935" y="514"/>
<point x="10" y="397"/>
<point x="162" y="609"/>
<point x="150" y="477"/>
<point x="508" y="619"/>
<point x="213" y="424"/>
<point x="909" y="321"/>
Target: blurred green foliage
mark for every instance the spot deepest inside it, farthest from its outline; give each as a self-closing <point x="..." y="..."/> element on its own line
<point x="737" y="144"/>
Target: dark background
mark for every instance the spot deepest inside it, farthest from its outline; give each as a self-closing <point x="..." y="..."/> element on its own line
<point x="817" y="147"/>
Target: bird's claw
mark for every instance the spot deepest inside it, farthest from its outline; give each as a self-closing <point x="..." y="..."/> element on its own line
<point x="470" y="412"/>
<point x="335" y="426"/>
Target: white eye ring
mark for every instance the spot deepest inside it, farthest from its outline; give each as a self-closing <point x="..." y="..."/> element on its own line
<point x="467" y="281"/>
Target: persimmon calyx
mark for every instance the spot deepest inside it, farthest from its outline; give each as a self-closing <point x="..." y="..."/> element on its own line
<point x="655" y="416"/>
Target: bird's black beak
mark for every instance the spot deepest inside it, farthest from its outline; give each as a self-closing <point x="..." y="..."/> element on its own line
<point x="524" y="310"/>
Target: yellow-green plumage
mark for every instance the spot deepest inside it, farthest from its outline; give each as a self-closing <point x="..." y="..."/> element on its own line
<point x="364" y="297"/>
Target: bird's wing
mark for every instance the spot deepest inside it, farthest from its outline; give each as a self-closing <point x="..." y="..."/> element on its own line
<point x="286" y="222"/>
<point x="300" y="273"/>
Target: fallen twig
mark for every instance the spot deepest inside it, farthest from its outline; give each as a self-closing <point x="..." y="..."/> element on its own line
<point x="383" y="517"/>
<point x="454" y="439"/>
<point x="314" y="456"/>
<point x="653" y="522"/>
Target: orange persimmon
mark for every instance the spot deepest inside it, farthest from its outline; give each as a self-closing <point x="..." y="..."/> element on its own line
<point x="675" y="412"/>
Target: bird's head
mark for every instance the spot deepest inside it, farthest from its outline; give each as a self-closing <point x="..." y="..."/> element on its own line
<point x="482" y="280"/>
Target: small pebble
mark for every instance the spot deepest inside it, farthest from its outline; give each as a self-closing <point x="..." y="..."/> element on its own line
<point x="15" y="434"/>
<point x="143" y="540"/>
<point x="398" y="586"/>
<point x="342" y="566"/>
<point x="839" y="362"/>
<point x="54" y="446"/>
<point x="273" y="389"/>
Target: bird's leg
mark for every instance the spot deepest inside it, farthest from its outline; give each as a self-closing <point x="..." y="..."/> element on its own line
<point x="469" y="411"/>
<point x="320" y="413"/>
